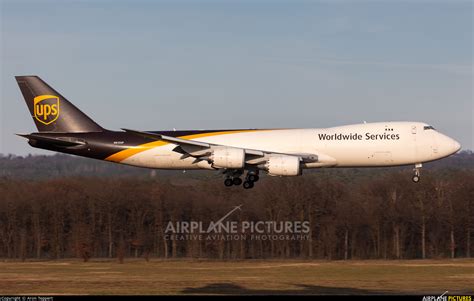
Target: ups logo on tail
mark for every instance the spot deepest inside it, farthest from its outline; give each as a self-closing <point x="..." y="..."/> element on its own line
<point x="46" y="108"/>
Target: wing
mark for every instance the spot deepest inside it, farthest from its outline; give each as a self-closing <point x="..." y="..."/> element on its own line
<point x="202" y="150"/>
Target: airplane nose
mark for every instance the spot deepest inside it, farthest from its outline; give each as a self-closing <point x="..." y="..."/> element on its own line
<point x="456" y="146"/>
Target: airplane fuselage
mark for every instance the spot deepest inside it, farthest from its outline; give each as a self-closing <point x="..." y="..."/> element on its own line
<point x="358" y="145"/>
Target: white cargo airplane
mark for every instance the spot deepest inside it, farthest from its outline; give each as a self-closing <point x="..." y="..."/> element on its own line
<point x="279" y="152"/>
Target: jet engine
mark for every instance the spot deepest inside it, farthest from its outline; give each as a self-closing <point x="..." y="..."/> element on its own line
<point x="281" y="165"/>
<point x="228" y="157"/>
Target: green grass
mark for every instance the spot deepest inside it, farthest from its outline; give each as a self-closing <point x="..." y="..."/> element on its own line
<point x="237" y="277"/>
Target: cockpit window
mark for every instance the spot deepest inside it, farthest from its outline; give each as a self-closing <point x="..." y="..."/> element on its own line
<point x="428" y="127"/>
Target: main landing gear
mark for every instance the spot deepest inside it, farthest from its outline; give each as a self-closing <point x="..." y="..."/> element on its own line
<point x="250" y="179"/>
<point x="416" y="170"/>
<point x="234" y="179"/>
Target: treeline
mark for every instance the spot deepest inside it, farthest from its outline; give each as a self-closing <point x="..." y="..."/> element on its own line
<point x="381" y="215"/>
<point x="60" y="165"/>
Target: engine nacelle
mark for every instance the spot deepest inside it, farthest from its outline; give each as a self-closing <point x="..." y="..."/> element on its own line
<point x="282" y="165"/>
<point x="228" y="157"/>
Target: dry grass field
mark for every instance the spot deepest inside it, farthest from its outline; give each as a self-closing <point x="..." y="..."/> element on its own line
<point x="237" y="277"/>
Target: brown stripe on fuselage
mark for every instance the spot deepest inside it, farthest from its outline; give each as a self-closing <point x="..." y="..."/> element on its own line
<point x="124" y="154"/>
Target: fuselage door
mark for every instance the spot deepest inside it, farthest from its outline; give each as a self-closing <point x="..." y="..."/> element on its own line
<point x="415" y="146"/>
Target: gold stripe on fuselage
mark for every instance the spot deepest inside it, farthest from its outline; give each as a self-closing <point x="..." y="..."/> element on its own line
<point x="126" y="153"/>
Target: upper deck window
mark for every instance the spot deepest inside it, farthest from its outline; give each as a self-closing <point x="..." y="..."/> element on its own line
<point x="428" y="127"/>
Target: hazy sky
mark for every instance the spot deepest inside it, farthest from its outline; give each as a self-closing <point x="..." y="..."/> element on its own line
<point x="155" y="65"/>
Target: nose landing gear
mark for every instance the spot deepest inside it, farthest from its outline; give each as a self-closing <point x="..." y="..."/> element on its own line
<point x="416" y="170"/>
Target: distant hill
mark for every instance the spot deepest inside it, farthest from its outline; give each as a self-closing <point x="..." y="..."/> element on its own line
<point x="60" y="165"/>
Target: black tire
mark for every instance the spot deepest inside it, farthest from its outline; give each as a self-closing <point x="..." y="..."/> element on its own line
<point x="228" y="182"/>
<point x="252" y="178"/>
<point x="237" y="181"/>
<point x="415" y="179"/>
<point x="248" y="185"/>
<point x="256" y="178"/>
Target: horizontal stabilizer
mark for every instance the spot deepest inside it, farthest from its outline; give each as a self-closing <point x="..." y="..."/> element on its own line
<point x="64" y="142"/>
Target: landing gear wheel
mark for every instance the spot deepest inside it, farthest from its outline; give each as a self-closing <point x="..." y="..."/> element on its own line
<point x="237" y="181"/>
<point x="417" y="170"/>
<point x="248" y="185"/>
<point x="252" y="177"/>
<point x="228" y="182"/>
<point x="416" y="179"/>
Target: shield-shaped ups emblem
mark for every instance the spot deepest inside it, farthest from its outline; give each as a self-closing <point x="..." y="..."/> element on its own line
<point x="46" y="108"/>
